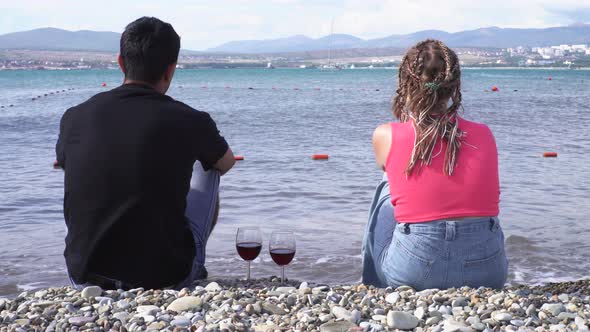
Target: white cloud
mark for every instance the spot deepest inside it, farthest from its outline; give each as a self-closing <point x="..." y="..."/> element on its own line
<point x="372" y="18"/>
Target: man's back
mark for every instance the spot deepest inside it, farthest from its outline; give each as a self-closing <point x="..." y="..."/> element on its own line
<point x="128" y="156"/>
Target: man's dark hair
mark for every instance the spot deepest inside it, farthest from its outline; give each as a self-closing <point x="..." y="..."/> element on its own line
<point x="148" y="47"/>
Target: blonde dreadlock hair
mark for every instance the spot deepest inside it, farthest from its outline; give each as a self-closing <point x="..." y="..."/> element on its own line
<point x="430" y="77"/>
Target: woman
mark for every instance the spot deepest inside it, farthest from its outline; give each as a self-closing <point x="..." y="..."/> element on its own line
<point x="441" y="180"/>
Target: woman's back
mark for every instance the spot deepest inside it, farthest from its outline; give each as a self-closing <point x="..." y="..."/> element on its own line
<point x="441" y="170"/>
<point x="428" y="194"/>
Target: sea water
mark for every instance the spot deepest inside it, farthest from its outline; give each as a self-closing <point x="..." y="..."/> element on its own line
<point x="277" y="119"/>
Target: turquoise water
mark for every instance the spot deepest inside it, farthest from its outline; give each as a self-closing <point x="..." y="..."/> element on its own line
<point x="544" y="202"/>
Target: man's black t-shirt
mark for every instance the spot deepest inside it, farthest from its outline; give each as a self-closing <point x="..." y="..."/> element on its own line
<point x="128" y="156"/>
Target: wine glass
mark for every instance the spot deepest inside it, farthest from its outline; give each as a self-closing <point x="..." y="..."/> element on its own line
<point x="282" y="249"/>
<point x="248" y="244"/>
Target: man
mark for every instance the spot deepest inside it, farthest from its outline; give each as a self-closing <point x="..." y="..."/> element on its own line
<point x="128" y="156"/>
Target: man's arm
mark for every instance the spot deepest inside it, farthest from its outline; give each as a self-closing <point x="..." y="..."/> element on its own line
<point x="226" y="162"/>
<point x="60" y="155"/>
<point x="214" y="152"/>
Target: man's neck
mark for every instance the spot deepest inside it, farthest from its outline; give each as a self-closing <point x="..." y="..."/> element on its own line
<point x="151" y="85"/>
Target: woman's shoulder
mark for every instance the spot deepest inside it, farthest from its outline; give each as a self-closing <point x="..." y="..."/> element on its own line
<point x="382" y="133"/>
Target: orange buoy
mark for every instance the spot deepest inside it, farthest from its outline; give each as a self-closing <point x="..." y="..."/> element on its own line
<point x="104" y="84"/>
<point x="495" y="89"/>
<point x="238" y="157"/>
<point x="319" y="157"/>
<point x="550" y="154"/>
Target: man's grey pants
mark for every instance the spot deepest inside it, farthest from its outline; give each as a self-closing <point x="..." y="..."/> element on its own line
<point x="201" y="203"/>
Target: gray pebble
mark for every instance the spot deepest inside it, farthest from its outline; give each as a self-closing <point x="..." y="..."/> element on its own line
<point x="90" y="292"/>
<point x="181" y="321"/>
<point x="392" y="298"/>
<point x="401" y="320"/>
<point x="81" y="320"/>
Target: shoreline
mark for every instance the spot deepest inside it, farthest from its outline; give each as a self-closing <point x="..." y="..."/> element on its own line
<point x="266" y="305"/>
<point x="50" y="69"/>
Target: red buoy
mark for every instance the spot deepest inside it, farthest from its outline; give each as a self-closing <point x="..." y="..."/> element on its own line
<point x="319" y="157"/>
<point x="495" y="89"/>
<point x="550" y="154"/>
<point x="104" y="85"/>
<point x="549" y="79"/>
<point x="238" y="157"/>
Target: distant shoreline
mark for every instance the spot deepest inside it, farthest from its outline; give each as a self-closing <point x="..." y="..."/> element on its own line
<point x="295" y="68"/>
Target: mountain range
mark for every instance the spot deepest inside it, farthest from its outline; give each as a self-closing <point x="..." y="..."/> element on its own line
<point x="485" y="37"/>
<point x="53" y="39"/>
<point x="85" y="40"/>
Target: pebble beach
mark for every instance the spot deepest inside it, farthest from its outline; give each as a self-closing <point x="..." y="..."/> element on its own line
<point x="267" y="305"/>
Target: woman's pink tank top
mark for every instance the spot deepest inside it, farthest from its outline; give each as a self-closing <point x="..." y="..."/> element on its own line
<point x="428" y="194"/>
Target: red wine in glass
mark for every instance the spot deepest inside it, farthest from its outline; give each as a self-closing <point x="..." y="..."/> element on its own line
<point x="282" y="249"/>
<point x="282" y="256"/>
<point x="248" y="250"/>
<point x="248" y="244"/>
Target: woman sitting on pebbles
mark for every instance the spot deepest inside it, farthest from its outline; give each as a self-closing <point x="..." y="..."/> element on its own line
<point x="433" y="221"/>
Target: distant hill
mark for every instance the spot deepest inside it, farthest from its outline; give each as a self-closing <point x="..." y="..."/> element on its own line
<point x="485" y="37"/>
<point x="62" y="40"/>
<point x="498" y="37"/>
<point x="52" y="39"/>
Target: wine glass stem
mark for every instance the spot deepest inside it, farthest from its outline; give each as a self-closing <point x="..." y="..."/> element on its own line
<point x="282" y="274"/>
<point x="248" y="274"/>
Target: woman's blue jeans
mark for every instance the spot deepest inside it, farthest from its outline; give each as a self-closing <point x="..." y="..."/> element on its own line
<point x="436" y="254"/>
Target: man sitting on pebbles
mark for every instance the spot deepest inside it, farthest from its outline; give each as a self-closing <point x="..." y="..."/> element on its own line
<point x="135" y="217"/>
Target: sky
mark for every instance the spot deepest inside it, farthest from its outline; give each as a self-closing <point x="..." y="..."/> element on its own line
<point x="205" y="24"/>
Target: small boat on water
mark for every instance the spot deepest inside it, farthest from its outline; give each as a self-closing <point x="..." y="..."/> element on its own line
<point x="330" y="66"/>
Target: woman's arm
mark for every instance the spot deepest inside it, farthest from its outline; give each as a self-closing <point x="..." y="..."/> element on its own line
<point x="382" y="144"/>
